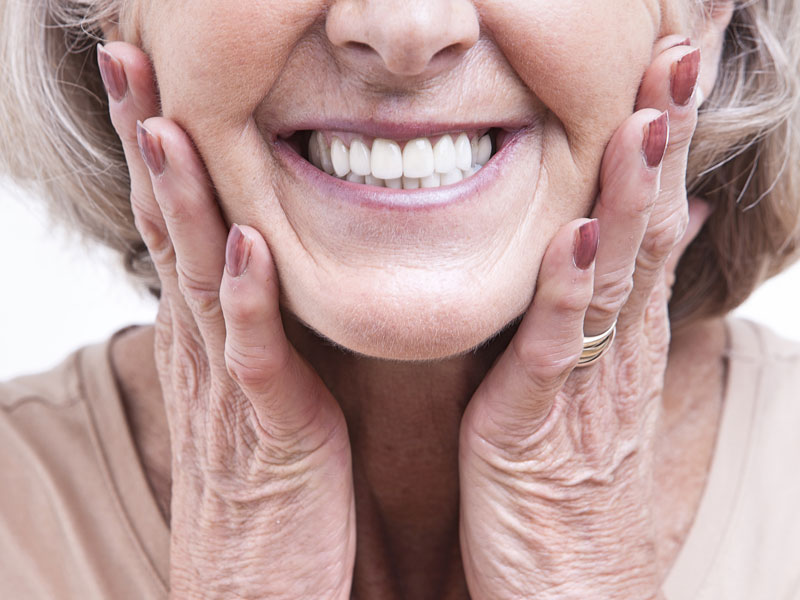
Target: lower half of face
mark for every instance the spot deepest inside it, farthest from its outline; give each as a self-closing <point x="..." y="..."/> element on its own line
<point x="407" y="213"/>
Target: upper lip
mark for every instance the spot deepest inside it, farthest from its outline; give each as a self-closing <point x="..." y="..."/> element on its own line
<point x="395" y="130"/>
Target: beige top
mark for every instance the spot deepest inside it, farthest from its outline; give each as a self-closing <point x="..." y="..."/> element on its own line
<point x="79" y="521"/>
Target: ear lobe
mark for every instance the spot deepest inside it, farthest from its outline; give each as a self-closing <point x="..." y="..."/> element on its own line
<point x="717" y="15"/>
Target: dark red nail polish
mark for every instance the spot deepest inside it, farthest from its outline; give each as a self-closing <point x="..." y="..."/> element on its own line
<point x="150" y="148"/>
<point x="112" y="73"/>
<point x="684" y="77"/>
<point x="237" y="252"/>
<point x="654" y="144"/>
<point x="586" y="241"/>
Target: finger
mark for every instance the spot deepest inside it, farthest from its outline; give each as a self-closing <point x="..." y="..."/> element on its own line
<point x="669" y="41"/>
<point x="286" y="395"/>
<point x="128" y="77"/>
<point x="517" y="395"/>
<point x="629" y="181"/>
<point x="668" y="84"/>
<point x="195" y="225"/>
<point x="699" y="211"/>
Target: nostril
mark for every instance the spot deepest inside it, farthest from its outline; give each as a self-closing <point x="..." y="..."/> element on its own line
<point x="359" y="47"/>
<point x="451" y="50"/>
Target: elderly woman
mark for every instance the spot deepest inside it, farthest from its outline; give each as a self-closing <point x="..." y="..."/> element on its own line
<point x="415" y="336"/>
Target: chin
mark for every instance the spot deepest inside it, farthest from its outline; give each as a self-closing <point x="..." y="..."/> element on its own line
<point x="413" y="326"/>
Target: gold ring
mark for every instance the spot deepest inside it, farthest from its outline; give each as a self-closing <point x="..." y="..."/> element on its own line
<point x="595" y="346"/>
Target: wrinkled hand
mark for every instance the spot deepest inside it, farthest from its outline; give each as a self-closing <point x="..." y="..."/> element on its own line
<point x="556" y="463"/>
<point x="262" y="495"/>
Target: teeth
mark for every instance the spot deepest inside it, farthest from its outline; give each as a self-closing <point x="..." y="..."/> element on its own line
<point x="463" y="152"/>
<point x="314" y="151"/>
<point x="453" y="176"/>
<point x="355" y="178"/>
<point x="431" y="181"/>
<point x="340" y="157"/>
<point x="410" y="183"/>
<point x="359" y="158"/>
<point x="418" y="158"/>
<point x="484" y="150"/>
<point x="370" y="180"/>
<point x="322" y="151"/>
<point x="387" y="159"/>
<point x="419" y="164"/>
<point x="444" y="155"/>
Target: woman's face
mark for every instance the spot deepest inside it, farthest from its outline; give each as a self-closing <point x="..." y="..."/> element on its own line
<point x="412" y="274"/>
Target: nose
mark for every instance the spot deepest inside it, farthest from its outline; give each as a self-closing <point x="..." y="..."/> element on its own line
<point x="404" y="37"/>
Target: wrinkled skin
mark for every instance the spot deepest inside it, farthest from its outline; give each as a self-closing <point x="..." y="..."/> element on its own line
<point x="263" y="498"/>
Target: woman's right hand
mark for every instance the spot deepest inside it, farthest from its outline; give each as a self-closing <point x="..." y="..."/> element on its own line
<point x="262" y="495"/>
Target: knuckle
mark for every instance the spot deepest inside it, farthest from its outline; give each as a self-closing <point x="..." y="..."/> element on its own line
<point x="156" y="239"/>
<point x="174" y="208"/>
<point x="201" y="297"/>
<point x="546" y="365"/>
<point x="252" y="367"/>
<point x="572" y="301"/>
<point x="190" y="369"/>
<point x="611" y="294"/>
<point x="662" y="237"/>
<point x="243" y="307"/>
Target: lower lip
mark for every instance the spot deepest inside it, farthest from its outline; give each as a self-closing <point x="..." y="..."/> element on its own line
<point x="367" y="196"/>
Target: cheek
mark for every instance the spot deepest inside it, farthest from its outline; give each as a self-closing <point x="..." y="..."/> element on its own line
<point x="216" y="59"/>
<point x="584" y="60"/>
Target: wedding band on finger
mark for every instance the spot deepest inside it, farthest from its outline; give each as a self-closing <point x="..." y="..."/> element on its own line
<point x="595" y="346"/>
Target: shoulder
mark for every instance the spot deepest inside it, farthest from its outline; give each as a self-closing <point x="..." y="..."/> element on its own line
<point x="746" y="533"/>
<point x="764" y="362"/>
<point x="55" y="388"/>
<point x="74" y="505"/>
<point x="761" y="449"/>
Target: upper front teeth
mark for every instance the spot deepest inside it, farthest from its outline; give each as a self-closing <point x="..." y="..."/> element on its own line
<point x="418" y="164"/>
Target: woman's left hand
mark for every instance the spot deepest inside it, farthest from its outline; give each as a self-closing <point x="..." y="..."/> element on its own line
<point x="556" y="463"/>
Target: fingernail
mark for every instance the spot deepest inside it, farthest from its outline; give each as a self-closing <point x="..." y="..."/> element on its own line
<point x="150" y="148"/>
<point x="586" y="241"/>
<point x="656" y="135"/>
<point x="112" y="73"/>
<point x="237" y="252"/>
<point x="684" y="77"/>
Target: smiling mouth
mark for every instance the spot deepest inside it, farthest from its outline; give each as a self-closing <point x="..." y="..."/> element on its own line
<point x="420" y="163"/>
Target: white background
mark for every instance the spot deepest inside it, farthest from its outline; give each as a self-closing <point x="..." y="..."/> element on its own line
<point x="57" y="295"/>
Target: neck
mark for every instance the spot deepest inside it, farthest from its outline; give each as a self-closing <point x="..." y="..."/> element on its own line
<point x="403" y="419"/>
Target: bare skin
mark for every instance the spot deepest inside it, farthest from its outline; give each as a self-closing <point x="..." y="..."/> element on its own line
<point x="506" y="472"/>
<point x="405" y="449"/>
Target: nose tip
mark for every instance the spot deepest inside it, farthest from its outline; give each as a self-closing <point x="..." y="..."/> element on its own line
<point x="407" y="38"/>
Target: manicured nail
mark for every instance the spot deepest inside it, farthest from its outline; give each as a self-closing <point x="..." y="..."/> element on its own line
<point x="684" y="77"/>
<point x="656" y="135"/>
<point x="112" y="73"/>
<point x="586" y="241"/>
<point x="237" y="252"/>
<point x="150" y="148"/>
